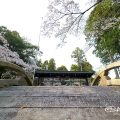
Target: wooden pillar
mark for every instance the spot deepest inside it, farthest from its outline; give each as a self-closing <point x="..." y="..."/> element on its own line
<point x="87" y="82"/>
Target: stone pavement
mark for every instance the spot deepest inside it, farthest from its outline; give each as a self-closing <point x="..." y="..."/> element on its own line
<point x="59" y="103"/>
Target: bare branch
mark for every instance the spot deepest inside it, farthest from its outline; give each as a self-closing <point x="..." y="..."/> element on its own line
<point x="92" y="6"/>
<point x="64" y="17"/>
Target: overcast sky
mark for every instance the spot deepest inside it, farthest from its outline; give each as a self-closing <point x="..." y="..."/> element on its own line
<point x="25" y="17"/>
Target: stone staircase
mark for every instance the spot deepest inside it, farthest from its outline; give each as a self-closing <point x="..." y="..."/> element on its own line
<point x="59" y="103"/>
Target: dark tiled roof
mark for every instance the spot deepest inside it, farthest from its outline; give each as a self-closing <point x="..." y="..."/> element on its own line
<point x="63" y="74"/>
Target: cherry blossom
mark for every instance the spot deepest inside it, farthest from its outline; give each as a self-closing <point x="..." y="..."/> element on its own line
<point x="7" y="55"/>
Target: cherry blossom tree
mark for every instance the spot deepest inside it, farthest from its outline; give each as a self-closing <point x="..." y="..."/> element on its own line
<point x="7" y="55"/>
<point x="64" y="17"/>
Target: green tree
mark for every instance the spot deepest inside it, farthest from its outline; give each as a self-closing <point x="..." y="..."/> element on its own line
<point x="107" y="47"/>
<point x="45" y="65"/>
<point x="78" y="56"/>
<point x="62" y="68"/>
<point x="102" y="30"/>
<point x="51" y="64"/>
<point x="19" y="44"/>
<point x="39" y="63"/>
<point x="87" y="66"/>
<point x="81" y="62"/>
<point x="74" y="67"/>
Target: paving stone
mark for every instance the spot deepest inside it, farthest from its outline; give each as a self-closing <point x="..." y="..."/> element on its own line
<point x="59" y="103"/>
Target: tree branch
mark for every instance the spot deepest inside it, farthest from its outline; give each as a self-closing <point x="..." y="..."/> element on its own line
<point x="92" y="6"/>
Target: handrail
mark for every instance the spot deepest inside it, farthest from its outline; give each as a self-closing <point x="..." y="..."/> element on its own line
<point x="102" y="77"/>
<point x="17" y="68"/>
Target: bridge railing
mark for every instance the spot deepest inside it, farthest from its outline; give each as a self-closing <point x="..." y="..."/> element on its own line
<point x="22" y="77"/>
<point x="102" y="78"/>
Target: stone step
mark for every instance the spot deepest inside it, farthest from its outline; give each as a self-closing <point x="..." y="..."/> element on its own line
<point x="59" y="96"/>
<point x="59" y="103"/>
<point x="58" y="91"/>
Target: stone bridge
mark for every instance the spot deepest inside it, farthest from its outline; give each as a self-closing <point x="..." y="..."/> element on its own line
<point x="24" y="78"/>
<point x="102" y="78"/>
<point x="58" y="102"/>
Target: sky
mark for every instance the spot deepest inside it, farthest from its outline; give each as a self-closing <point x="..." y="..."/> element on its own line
<point x="25" y="17"/>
